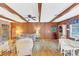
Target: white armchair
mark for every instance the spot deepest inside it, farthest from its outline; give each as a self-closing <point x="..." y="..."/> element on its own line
<point x="24" y="46"/>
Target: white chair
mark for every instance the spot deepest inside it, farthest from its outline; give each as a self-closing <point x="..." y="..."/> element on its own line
<point x="69" y="45"/>
<point x="63" y="44"/>
<point x="24" y="46"/>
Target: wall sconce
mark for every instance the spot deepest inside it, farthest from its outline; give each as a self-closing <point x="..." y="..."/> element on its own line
<point x="18" y="31"/>
<point x="37" y="29"/>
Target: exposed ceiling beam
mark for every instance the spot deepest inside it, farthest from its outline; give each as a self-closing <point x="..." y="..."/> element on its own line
<point x="5" y="6"/>
<point x="70" y="18"/>
<point x="65" y="11"/>
<point x="39" y="10"/>
<point x="6" y="18"/>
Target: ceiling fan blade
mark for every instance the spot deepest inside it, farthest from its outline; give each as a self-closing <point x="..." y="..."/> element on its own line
<point x="33" y="17"/>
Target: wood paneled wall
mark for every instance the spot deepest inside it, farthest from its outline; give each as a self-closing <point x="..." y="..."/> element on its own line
<point x="29" y="28"/>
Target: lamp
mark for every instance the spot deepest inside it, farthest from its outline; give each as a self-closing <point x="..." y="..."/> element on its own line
<point x="37" y="29"/>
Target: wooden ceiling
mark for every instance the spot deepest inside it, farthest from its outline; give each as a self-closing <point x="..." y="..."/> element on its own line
<point x="39" y="10"/>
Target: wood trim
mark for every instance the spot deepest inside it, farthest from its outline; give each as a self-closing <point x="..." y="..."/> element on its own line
<point x="5" y="6"/>
<point x="39" y="10"/>
<point x="69" y="18"/>
<point x="6" y="18"/>
<point x="65" y="11"/>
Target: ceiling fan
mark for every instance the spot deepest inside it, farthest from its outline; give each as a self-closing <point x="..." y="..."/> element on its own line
<point x="30" y="17"/>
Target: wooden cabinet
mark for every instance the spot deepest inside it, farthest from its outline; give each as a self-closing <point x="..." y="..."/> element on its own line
<point x="5" y="36"/>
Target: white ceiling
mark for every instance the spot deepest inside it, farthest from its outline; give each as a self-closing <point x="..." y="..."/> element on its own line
<point x="74" y="12"/>
<point x="6" y="13"/>
<point x="48" y="12"/>
<point x="25" y="9"/>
